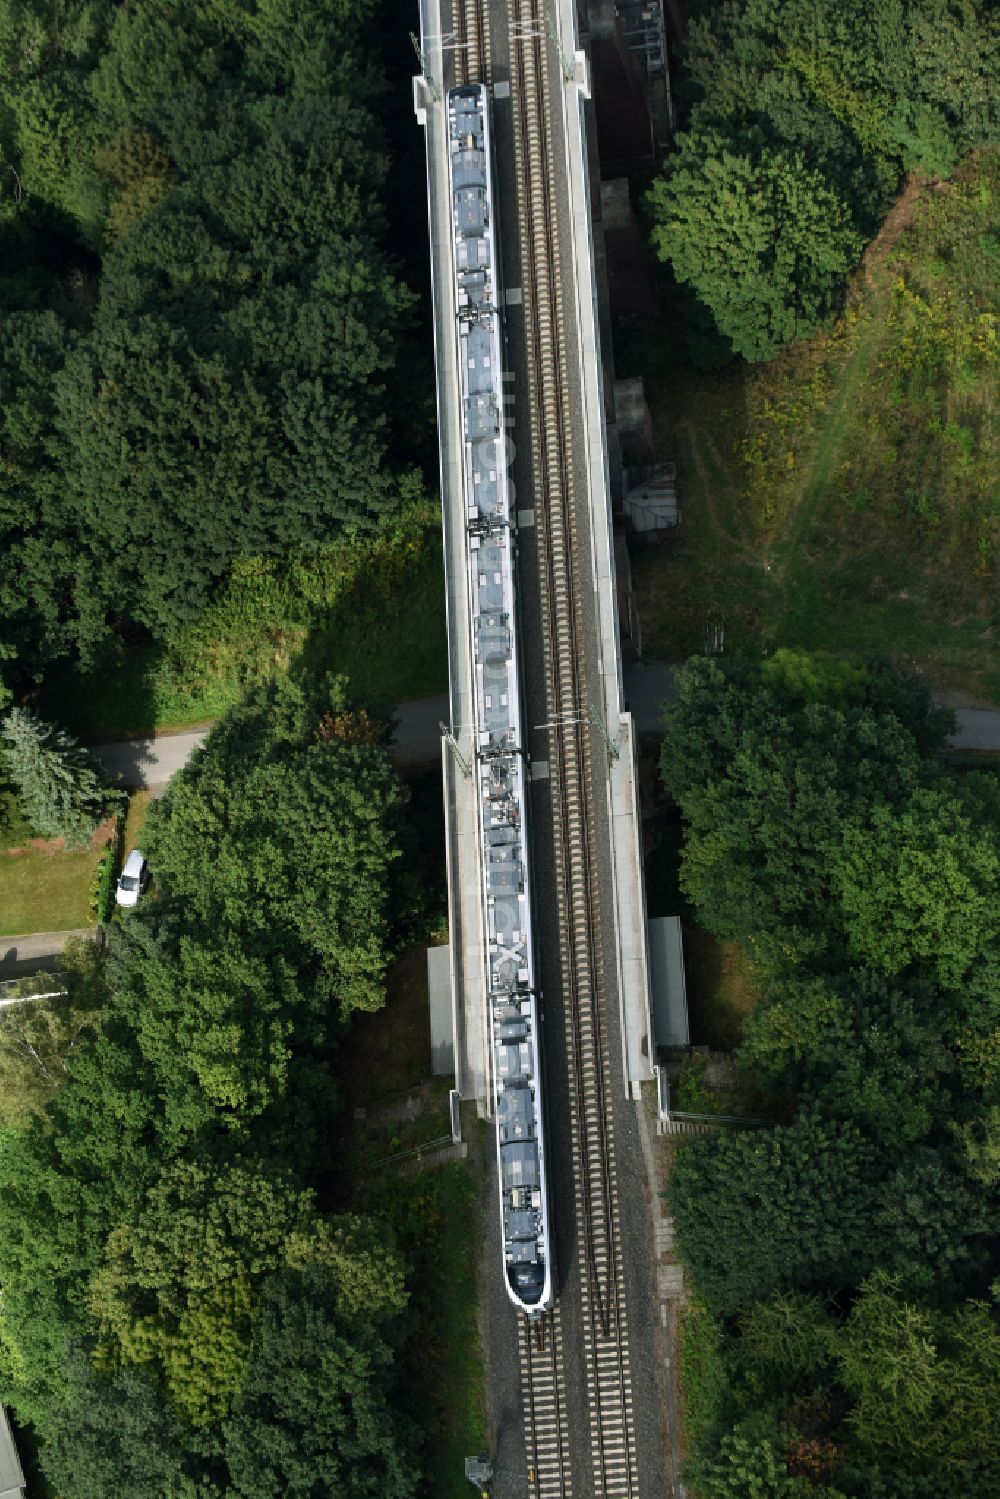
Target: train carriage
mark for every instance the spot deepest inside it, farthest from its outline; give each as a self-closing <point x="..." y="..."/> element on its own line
<point x="500" y="748"/>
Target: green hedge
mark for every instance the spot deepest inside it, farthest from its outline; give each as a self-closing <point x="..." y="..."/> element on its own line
<point x="102" y="895"/>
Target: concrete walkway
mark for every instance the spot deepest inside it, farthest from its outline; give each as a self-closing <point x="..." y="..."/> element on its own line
<point x="417" y="740"/>
<point x="978" y="729"/>
<point x="22" y="956"/>
<point x="648" y="685"/>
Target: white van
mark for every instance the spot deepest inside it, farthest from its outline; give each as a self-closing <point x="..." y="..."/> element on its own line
<point x="132" y="880"/>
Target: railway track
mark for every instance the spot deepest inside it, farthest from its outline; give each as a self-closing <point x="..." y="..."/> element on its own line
<point x="571" y="768"/>
<point x="471" y="24"/>
<point x="572" y="771"/>
<point x="546" y="1428"/>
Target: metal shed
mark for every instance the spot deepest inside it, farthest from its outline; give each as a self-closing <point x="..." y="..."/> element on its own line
<point x="666" y="980"/>
<point x="441" y="1017"/>
<point x="651" y="503"/>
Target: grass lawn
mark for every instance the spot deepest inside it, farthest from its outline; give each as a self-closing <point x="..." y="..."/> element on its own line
<point x="42" y="890"/>
<point x="451" y="1382"/>
<point x="438" y="1225"/>
<point x="138" y="805"/>
<point x="386" y="1052"/>
<point x="720" y="988"/>
<point x="392" y="643"/>
<point x="846" y="496"/>
<point x="135" y="693"/>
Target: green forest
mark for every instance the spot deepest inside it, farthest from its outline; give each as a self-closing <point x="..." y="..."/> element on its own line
<point x="827" y="381"/>
<point x="825" y="369"/>
<point x="208" y="385"/>
<point x="843" y="1340"/>
<point x="798" y="123"/>
<point x="196" y="1301"/>
<point x="214" y="416"/>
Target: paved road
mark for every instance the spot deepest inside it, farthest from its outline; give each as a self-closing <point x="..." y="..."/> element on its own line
<point x="150" y="762"/>
<point x="22" y="956"/>
<point x="649" y="684"/>
<point x="978" y="729"/>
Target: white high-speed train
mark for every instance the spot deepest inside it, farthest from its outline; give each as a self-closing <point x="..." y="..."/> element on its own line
<point x="500" y="767"/>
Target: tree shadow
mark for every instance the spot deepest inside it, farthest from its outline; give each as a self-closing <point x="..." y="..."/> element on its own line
<point x="115" y="698"/>
<point x="388" y="634"/>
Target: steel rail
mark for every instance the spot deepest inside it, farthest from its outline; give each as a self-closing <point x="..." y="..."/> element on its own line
<point x="472" y="41"/>
<point x="546" y="1426"/>
<point x="460" y="28"/>
<point x="571" y="769"/>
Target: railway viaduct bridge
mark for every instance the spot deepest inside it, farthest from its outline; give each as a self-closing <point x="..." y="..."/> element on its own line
<point x="574" y="1404"/>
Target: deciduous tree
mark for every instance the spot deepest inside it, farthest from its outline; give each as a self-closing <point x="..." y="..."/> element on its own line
<point x="227" y="394"/>
<point x="766" y="243"/>
<point x="749" y="1466"/>
<point x="925" y="1386"/>
<point x="767" y="1211"/>
<point x="113" y="1433"/>
<point x="288" y="836"/>
<point x="179" y="1289"/>
<point x="858" y="1047"/>
<point x="920" y="883"/>
<point x="40" y="1036"/>
<point x="799" y="120"/>
<point x="314" y="1411"/>
<point x="766" y="784"/>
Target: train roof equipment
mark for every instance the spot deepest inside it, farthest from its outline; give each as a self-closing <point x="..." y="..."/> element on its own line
<point x="511" y="984"/>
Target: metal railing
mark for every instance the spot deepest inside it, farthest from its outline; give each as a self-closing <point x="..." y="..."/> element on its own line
<point x="665" y="1114"/>
<point x="422" y="1149"/>
<point x="38" y="986"/>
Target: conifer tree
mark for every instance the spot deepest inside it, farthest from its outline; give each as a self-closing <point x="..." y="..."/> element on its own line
<point x="59" y="785"/>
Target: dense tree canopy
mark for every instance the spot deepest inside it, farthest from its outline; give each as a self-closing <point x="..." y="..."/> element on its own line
<point x="925" y="1384"/>
<point x="919" y="883"/>
<point x="769" y="1211"/>
<point x="236" y="839"/>
<point x="40" y="1038"/>
<point x="114" y="1433"/>
<point x="846" y="1255"/>
<point x="749" y="1466"/>
<point x="866" y="1051"/>
<point x="161" y="1238"/>
<point x="204" y="376"/>
<point x="800" y="117"/>
<point x="312" y="1413"/>
<point x="780" y="792"/>
<point x="765" y="240"/>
